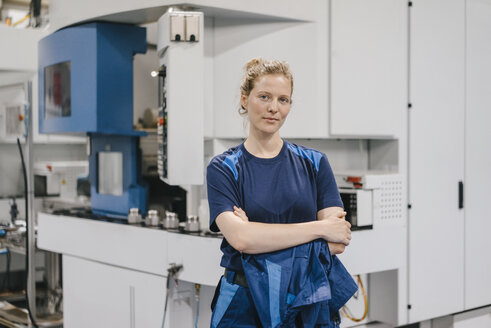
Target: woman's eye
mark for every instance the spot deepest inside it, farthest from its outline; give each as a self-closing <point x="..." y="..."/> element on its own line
<point x="263" y="97"/>
<point x="284" y="100"/>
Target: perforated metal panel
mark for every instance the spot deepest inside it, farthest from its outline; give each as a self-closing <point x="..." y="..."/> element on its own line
<point x="391" y="200"/>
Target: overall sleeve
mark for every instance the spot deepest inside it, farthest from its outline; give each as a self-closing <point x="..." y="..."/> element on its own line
<point x="223" y="191"/>
<point x="327" y="189"/>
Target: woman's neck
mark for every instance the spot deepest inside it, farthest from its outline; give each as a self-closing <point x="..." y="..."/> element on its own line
<point x="264" y="146"/>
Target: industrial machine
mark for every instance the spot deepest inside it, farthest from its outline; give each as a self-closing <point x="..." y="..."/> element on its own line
<point x="371" y="197"/>
<point x="86" y="85"/>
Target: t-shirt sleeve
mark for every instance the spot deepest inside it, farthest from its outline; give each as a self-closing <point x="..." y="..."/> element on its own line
<point x="327" y="189"/>
<point x="223" y="192"/>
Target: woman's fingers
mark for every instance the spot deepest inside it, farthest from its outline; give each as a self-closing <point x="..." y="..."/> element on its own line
<point x="240" y="213"/>
<point x="337" y="231"/>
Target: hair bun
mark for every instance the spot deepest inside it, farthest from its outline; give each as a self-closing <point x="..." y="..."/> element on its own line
<point x="254" y="62"/>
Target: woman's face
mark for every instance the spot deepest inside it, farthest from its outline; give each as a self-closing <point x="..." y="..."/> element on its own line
<point x="268" y="104"/>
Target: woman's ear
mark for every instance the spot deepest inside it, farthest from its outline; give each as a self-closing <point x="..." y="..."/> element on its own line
<point x="243" y="102"/>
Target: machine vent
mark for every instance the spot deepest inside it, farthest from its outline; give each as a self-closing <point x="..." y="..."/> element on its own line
<point x="391" y="200"/>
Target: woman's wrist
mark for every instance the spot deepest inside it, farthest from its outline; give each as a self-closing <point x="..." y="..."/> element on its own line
<point x="315" y="229"/>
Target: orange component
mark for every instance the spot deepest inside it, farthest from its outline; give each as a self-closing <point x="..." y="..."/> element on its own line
<point x="21" y="117"/>
<point x="354" y="179"/>
<point x="161" y="121"/>
<point x="49" y="167"/>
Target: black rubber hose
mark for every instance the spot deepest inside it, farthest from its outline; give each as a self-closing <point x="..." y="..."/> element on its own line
<point x="35" y="8"/>
<point x="9" y="261"/>
<point x="27" y="233"/>
<point x="6" y="279"/>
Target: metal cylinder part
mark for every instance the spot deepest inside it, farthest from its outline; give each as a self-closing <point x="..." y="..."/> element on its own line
<point x="134" y="216"/>
<point x="192" y="224"/>
<point x="152" y="218"/>
<point x="171" y="220"/>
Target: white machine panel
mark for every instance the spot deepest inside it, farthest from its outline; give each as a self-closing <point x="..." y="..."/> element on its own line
<point x="368" y="67"/>
<point x="114" y="244"/>
<point x="181" y="131"/>
<point x="199" y="256"/>
<point x="478" y="155"/>
<point x="301" y="43"/>
<point x="100" y="295"/>
<point x="436" y="152"/>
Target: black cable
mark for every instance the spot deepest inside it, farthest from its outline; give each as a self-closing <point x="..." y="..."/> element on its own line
<point x="166" y="300"/>
<point x="6" y="278"/>
<point x="9" y="261"/>
<point x="35" y="13"/>
<point x="171" y="273"/>
<point x="27" y="234"/>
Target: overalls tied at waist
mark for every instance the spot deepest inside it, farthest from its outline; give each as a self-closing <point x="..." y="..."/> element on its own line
<point x="302" y="280"/>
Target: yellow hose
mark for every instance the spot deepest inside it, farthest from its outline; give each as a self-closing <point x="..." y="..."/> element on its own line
<point x="346" y="311"/>
<point x="22" y="20"/>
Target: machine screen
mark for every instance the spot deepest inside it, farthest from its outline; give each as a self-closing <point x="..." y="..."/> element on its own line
<point x="57" y="94"/>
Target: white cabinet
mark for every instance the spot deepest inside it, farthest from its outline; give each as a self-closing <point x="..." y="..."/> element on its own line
<point x="478" y="155"/>
<point x="117" y="277"/>
<point x="367" y="96"/>
<point x="302" y="44"/>
<point x="436" y="151"/>
<point x="368" y="60"/>
<point x="449" y="142"/>
<point x="101" y="295"/>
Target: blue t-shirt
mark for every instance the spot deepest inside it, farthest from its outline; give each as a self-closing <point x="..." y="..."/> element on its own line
<point x="289" y="188"/>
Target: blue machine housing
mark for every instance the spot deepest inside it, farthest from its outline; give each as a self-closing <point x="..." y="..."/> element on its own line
<point x="101" y="76"/>
<point x="89" y="88"/>
<point x="134" y="189"/>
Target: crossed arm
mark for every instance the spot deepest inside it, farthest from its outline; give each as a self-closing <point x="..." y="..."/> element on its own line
<point x="255" y="237"/>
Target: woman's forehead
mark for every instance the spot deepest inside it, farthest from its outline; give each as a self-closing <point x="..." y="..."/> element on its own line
<point x="273" y="82"/>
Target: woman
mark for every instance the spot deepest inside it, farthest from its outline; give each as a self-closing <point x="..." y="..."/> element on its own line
<point x="267" y="194"/>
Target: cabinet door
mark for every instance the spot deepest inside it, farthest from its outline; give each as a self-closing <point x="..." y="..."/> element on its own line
<point x="302" y="44"/>
<point x="478" y="155"/>
<point x="436" y="158"/>
<point x="368" y="67"/>
<point x="101" y="295"/>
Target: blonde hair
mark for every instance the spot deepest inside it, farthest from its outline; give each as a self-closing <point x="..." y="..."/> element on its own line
<point x="257" y="67"/>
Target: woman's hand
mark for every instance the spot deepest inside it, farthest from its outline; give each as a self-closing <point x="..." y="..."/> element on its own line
<point x="333" y="213"/>
<point x="336" y="248"/>
<point x="241" y="214"/>
<point x="336" y="229"/>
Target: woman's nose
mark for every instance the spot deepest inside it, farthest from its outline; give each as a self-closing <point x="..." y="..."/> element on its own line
<point x="273" y="107"/>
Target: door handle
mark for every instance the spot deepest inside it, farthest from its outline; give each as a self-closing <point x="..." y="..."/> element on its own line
<point x="461" y="195"/>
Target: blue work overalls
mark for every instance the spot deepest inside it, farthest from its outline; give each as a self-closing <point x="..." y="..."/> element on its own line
<point x="300" y="281"/>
